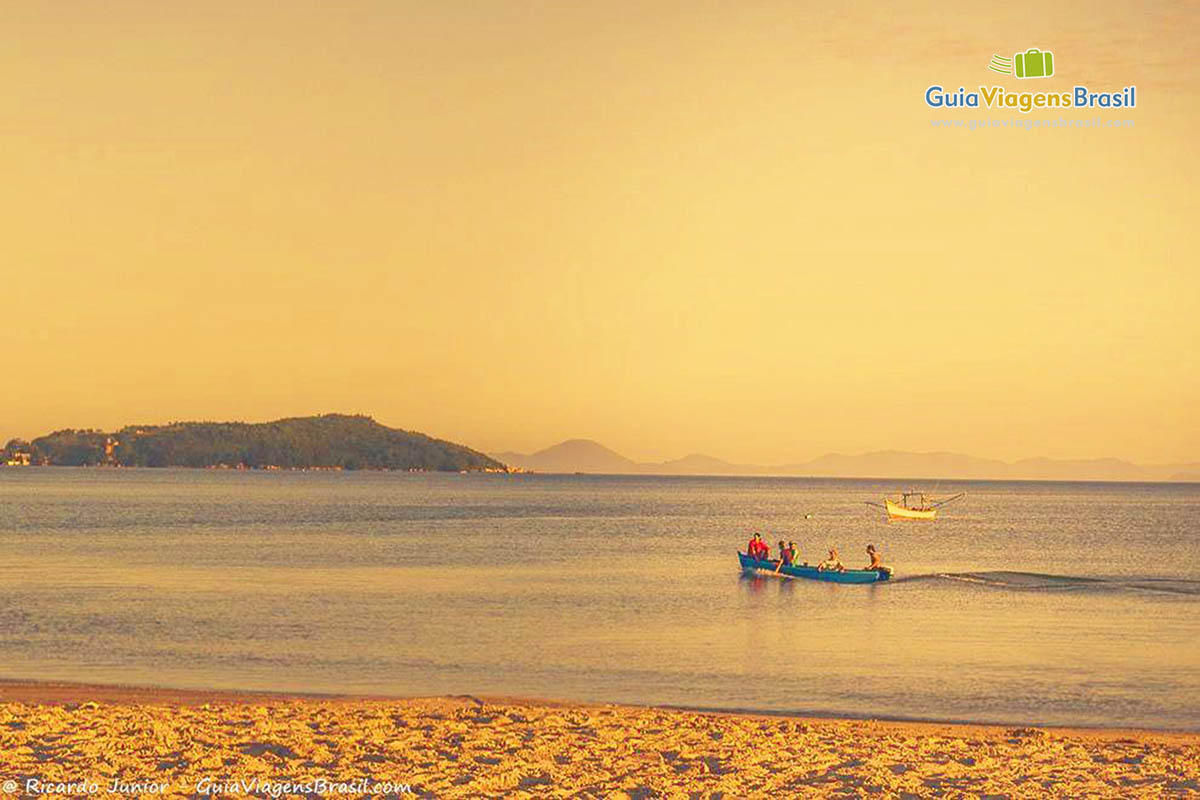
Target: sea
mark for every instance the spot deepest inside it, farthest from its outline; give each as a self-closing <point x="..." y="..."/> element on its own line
<point x="1025" y="603"/>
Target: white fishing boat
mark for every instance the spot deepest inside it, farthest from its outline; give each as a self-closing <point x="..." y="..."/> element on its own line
<point x="913" y="505"/>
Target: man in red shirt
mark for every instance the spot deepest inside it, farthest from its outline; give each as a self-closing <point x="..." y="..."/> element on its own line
<point x="757" y="548"/>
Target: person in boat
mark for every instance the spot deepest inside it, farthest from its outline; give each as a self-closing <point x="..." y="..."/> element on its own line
<point x="832" y="563"/>
<point x="757" y="548"/>
<point x="787" y="556"/>
<point x="876" y="565"/>
<point x="795" y="553"/>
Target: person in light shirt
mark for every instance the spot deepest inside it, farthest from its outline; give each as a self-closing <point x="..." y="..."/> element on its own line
<point x="832" y="563"/>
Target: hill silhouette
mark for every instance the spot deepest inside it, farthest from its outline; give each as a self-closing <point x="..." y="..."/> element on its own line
<point x="331" y="441"/>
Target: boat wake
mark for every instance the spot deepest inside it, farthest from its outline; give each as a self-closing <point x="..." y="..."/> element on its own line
<point x="1037" y="582"/>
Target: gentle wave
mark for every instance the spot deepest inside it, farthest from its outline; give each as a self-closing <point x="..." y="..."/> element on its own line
<point x="1035" y="581"/>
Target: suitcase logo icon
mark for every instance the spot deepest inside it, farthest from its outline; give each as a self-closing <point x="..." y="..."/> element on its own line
<point x="1033" y="63"/>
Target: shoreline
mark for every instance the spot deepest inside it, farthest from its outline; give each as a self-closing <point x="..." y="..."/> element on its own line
<point x="61" y="693"/>
<point x="702" y="475"/>
<point x="157" y="742"/>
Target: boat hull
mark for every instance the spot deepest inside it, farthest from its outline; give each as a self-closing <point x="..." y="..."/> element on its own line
<point x="812" y="573"/>
<point x="897" y="511"/>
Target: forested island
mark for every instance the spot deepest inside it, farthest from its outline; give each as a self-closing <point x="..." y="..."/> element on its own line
<point x="331" y="441"/>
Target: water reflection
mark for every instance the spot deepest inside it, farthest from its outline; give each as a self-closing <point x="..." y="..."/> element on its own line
<point x="757" y="584"/>
<point x="752" y="582"/>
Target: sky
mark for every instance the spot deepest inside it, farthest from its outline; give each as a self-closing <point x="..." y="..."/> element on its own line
<point x="673" y="227"/>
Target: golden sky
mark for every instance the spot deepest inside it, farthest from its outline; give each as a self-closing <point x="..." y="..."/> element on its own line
<point x="673" y="227"/>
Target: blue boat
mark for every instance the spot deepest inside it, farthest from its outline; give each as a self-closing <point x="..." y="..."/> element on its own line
<point x="812" y="573"/>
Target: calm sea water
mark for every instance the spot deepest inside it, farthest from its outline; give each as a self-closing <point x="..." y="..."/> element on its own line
<point x="1044" y="603"/>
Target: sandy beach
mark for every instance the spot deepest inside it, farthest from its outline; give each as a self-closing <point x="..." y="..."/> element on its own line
<point x="76" y="739"/>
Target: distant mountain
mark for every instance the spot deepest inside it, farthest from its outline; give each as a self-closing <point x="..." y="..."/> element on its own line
<point x="1183" y="473"/>
<point x="888" y="463"/>
<point x="334" y="441"/>
<point x="1096" y="469"/>
<point x="573" y="455"/>
<point x="697" y="464"/>
<point x="582" y="455"/>
<point x="585" y="455"/>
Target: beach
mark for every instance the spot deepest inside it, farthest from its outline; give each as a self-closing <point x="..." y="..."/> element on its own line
<point x="338" y="618"/>
<point x="61" y="738"/>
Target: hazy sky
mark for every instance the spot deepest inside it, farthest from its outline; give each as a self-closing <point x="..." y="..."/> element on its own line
<point x="669" y="226"/>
